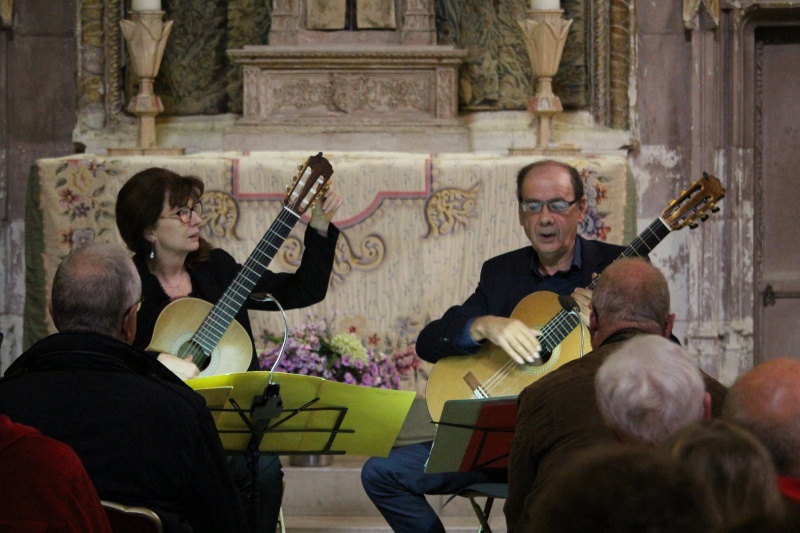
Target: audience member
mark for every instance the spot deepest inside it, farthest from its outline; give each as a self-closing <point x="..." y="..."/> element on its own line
<point x="765" y="401"/>
<point x="737" y="467"/>
<point x="623" y="489"/>
<point x="44" y="486"/>
<point x="648" y="389"/>
<point x="144" y="436"/>
<point x="551" y="206"/>
<point x="558" y="414"/>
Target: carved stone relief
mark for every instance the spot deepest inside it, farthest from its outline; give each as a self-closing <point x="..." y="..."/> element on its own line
<point x="344" y="93"/>
<point x="197" y="77"/>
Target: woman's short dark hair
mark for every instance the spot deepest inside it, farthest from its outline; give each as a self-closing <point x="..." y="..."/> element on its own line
<point x="141" y="199"/>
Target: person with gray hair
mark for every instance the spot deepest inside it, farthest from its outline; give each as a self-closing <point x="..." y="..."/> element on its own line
<point x="649" y="389"/>
<point x="558" y="415"/>
<point x="145" y="438"/>
<point x="106" y="273"/>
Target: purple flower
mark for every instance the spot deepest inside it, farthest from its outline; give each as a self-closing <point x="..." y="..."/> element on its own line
<point x="310" y="351"/>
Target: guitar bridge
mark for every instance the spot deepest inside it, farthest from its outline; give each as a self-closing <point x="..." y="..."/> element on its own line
<point x="475" y="385"/>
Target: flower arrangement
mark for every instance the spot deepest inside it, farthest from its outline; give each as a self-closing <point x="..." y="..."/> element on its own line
<point x="313" y="349"/>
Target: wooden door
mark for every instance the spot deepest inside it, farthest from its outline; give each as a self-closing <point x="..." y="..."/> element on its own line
<point x="777" y="209"/>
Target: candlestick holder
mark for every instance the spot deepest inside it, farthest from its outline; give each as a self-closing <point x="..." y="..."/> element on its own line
<point x="545" y="34"/>
<point x="146" y="35"/>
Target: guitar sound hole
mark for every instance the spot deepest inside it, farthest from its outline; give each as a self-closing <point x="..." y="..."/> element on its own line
<point x="192" y="351"/>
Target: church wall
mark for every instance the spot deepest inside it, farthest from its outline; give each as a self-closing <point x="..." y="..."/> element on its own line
<point x="37" y="66"/>
<point x="661" y="161"/>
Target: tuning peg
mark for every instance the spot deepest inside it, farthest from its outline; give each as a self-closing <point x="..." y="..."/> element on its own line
<point x="703" y="218"/>
<point x="300" y="166"/>
<point x="715" y="209"/>
<point x="705" y="174"/>
<point x="693" y="225"/>
<point x="288" y="188"/>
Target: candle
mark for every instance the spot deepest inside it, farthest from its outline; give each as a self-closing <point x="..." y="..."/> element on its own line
<point x="545" y="4"/>
<point x="150" y="5"/>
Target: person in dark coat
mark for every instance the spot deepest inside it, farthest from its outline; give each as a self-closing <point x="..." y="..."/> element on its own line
<point x="145" y="438"/>
<point x="558" y="416"/>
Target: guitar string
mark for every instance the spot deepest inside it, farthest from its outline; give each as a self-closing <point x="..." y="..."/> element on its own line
<point x="221" y="316"/>
<point x="509" y="369"/>
<point x="228" y="301"/>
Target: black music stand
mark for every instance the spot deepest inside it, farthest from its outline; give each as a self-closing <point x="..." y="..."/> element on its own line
<point x="267" y="415"/>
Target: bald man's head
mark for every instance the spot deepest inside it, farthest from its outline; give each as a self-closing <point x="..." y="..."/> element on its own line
<point x="766" y="400"/>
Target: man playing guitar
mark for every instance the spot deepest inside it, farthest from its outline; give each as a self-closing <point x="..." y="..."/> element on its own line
<point x="551" y="206"/>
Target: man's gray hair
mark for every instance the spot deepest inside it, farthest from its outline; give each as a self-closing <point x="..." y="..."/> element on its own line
<point x="641" y="298"/>
<point x="94" y="286"/>
<point x="648" y="389"/>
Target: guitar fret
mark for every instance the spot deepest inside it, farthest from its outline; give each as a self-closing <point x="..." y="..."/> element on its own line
<point x="219" y="319"/>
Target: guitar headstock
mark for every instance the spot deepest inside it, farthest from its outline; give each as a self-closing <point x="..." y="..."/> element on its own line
<point x="693" y="203"/>
<point x="311" y="181"/>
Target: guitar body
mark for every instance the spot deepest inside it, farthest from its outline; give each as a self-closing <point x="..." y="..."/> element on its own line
<point x="454" y="378"/>
<point x="180" y="320"/>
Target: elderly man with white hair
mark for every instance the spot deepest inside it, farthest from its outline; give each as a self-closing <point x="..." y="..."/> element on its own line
<point x="649" y="389"/>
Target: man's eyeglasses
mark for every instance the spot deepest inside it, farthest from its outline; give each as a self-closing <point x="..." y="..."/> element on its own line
<point x="536" y="206"/>
<point x="136" y="306"/>
<point x="184" y="214"/>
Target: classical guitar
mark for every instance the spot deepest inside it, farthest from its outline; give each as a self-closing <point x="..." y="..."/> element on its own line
<point x="491" y="373"/>
<point x="209" y="335"/>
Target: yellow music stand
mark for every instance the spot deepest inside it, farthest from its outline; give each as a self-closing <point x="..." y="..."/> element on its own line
<point x="318" y="415"/>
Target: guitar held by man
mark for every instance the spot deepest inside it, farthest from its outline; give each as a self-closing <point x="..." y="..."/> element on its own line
<point x="504" y="364"/>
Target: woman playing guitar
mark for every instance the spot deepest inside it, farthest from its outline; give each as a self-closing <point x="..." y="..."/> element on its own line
<point x="159" y="215"/>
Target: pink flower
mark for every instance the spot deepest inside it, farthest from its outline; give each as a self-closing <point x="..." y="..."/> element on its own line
<point x="68" y="198"/>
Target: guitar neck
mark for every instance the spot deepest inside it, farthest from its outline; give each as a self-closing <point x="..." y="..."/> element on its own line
<point x="643" y="244"/>
<point x="216" y="323"/>
<point x="561" y="325"/>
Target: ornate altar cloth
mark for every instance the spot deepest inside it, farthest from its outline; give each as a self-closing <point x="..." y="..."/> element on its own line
<point x="415" y="227"/>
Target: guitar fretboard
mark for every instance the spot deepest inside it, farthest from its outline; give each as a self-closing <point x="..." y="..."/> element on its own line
<point x="216" y="323"/>
<point x="561" y="325"/>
